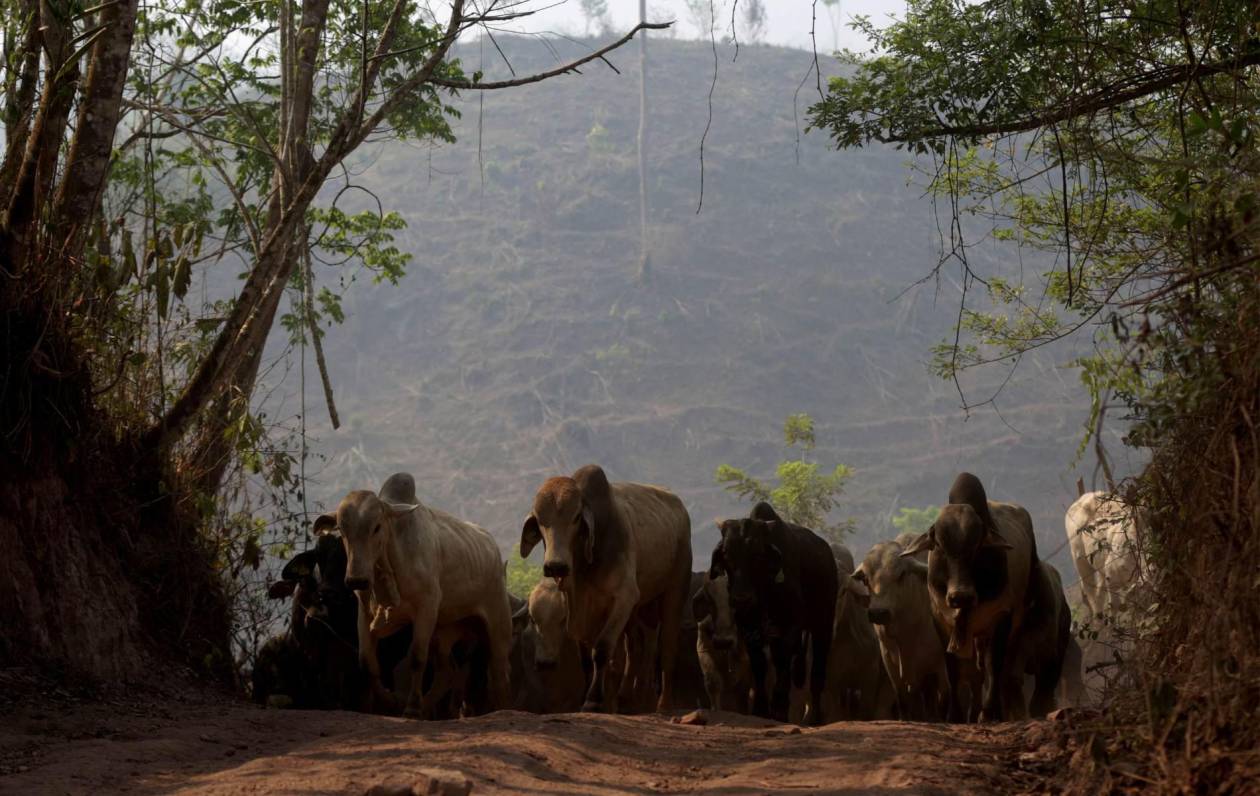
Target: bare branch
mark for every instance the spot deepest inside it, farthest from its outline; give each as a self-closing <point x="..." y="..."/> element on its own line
<point x="572" y="66"/>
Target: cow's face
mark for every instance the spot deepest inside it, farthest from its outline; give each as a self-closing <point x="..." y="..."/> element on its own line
<point x="565" y="525"/>
<point x="549" y="616"/>
<point x="750" y="560"/>
<point x="962" y="551"/>
<point x="966" y="565"/>
<point x="365" y="523"/>
<point x="893" y="582"/>
<point x="712" y="608"/>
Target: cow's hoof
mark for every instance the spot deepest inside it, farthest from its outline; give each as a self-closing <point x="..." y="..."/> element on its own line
<point x="592" y="707"/>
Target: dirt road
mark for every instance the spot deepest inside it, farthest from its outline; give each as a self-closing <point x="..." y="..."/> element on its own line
<point x="228" y="747"/>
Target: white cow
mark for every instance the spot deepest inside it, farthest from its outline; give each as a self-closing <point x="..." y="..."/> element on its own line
<point x="1103" y="539"/>
<point x="413" y="564"/>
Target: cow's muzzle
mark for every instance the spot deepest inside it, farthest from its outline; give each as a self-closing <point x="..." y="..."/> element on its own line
<point x="879" y="616"/>
<point x="961" y="598"/>
<point x="555" y="569"/>
<point x="356" y="584"/>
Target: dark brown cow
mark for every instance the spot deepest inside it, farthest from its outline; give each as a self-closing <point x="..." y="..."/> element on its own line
<point x="981" y="558"/>
<point x="783" y="585"/>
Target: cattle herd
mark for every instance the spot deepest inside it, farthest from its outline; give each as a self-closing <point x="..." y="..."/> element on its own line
<point x="402" y="608"/>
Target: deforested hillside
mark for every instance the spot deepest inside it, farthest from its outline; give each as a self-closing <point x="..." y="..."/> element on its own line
<point x="521" y="343"/>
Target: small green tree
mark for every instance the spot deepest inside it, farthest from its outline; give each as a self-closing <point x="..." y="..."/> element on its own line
<point x="912" y="520"/>
<point x="803" y="495"/>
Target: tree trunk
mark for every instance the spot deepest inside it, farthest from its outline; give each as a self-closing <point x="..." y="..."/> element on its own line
<point x="645" y="259"/>
<point x="100" y="107"/>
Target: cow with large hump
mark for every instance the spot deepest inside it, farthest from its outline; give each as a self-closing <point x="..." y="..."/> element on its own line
<point x="783" y="585"/>
<point x="981" y="556"/>
<point x="619" y="552"/>
<point x="909" y="641"/>
<point x="412" y="564"/>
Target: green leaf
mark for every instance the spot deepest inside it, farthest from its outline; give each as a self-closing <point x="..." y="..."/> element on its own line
<point x="182" y="277"/>
<point x="129" y="254"/>
<point x="1196" y="125"/>
<point x="162" y="288"/>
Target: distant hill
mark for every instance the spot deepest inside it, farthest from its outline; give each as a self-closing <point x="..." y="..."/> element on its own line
<point x="520" y="346"/>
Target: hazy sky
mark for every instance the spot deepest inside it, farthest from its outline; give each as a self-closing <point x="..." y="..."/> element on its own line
<point x="788" y="21"/>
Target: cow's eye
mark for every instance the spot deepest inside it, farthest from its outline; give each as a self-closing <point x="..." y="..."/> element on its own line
<point x="377" y="529"/>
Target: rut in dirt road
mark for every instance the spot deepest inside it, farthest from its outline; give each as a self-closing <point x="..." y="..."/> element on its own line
<point x="238" y="749"/>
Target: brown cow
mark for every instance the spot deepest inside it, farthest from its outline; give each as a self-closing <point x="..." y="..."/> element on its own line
<point x="615" y="550"/>
<point x="858" y="687"/>
<point x="912" y="648"/>
<point x="981" y="557"/>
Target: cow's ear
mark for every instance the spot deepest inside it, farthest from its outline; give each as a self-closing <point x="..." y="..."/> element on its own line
<point x="858" y="589"/>
<point x="399" y="509"/>
<point x="717" y="562"/>
<point x="993" y="539"/>
<point x="915" y="567"/>
<point x="325" y="523"/>
<point x="924" y="541"/>
<point x="300" y="566"/>
<point x="530" y="535"/>
<point x="588" y="517"/>
<point x="281" y="589"/>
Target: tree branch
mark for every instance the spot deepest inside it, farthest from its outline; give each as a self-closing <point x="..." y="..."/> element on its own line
<point x="572" y="66"/>
<point x="1100" y="100"/>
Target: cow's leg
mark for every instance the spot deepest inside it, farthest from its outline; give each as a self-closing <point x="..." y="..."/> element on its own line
<point x="369" y="664"/>
<point x="820" y="643"/>
<point x="955" y="713"/>
<point x="711" y="669"/>
<point x="628" y="663"/>
<point x="671" y="626"/>
<point x="436" y="681"/>
<point x="619" y="681"/>
<point x="1047" y="680"/>
<point x="995" y="671"/>
<point x="600" y="696"/>
<point x="498" y="627"/>
<point x="781" y="650"/>
<point x="757" y="664"/>
<point x="891" y="655"/>
<point x="422" y="628"/>
<point x="645" y="682"/>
